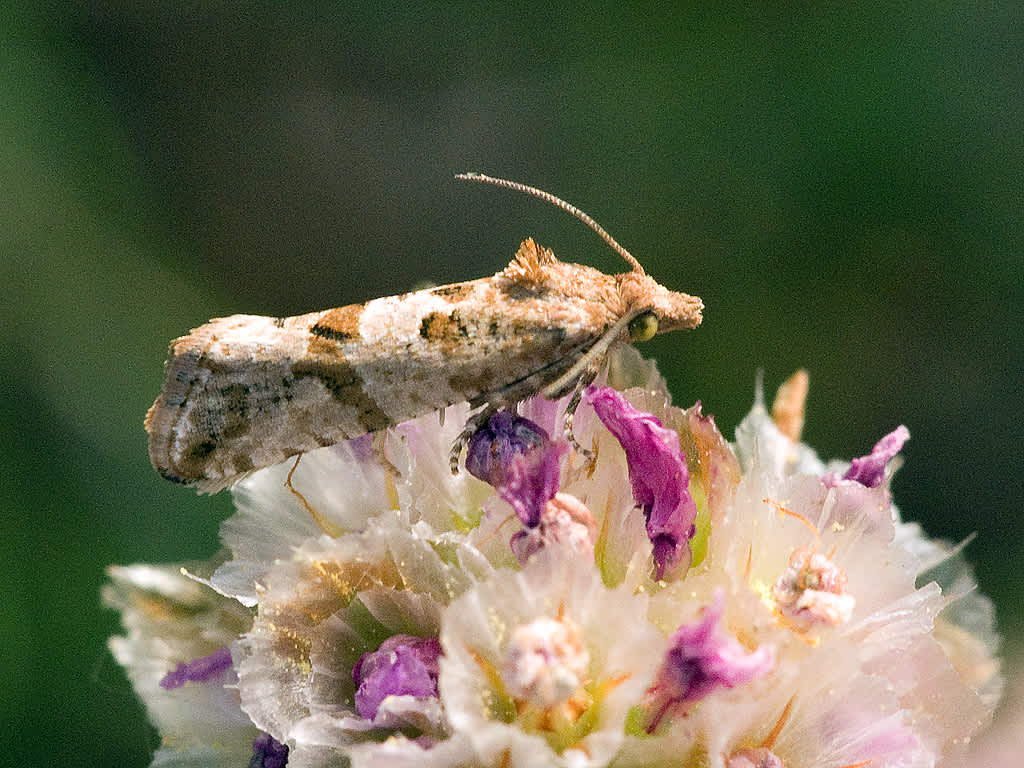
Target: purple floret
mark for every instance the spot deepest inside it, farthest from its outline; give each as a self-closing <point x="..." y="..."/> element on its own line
<point x="403" y="665"/>
<point x="658" y="474"/>
<point x="492" y="448"/>
<point x="702" y="659"/>
<point x="869" y="470"/>
<point x="516" y="456"/>
<point x="201" y="670"/>
<point x="268" y="752"/>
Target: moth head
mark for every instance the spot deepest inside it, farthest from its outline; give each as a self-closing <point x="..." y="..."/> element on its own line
<point x="647" y="308"/>
<point x="654" y="309"/>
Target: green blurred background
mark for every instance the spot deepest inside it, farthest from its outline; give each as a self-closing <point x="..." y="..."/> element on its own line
<point x="842" y="184"/>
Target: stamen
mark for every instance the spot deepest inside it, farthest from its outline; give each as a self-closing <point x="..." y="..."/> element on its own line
<point x="784" y="511"/>
<point x="811" y="592"/>
<point x="545" y="662"/>
<point x="771" y="738"/>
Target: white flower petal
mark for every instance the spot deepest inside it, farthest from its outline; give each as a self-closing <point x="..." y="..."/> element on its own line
<point x="170" y="619"/>
<point x="476" y="631"/>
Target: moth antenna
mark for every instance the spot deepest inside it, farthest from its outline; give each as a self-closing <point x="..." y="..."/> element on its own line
<point x="560" y="203"/>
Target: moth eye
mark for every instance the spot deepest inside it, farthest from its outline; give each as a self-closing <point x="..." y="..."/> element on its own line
<point x="643" y="327"/>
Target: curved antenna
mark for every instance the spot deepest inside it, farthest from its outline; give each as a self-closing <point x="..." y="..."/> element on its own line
<point x="560" y="203"/>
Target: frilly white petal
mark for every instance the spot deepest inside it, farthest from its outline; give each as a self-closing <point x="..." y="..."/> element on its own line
<point x="419" y="450"/>
<point x="759" y="441"/>
<point x="401" y="752"/>
<point x="319" y="611"/>
<point x="171" y="619"/>
<point x="344" y="483"/>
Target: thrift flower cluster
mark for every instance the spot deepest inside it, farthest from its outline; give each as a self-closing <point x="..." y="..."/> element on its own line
<point x="662" y="597"/>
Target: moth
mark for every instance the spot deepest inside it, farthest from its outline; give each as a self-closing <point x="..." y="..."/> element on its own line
<point x="247" y="391"/>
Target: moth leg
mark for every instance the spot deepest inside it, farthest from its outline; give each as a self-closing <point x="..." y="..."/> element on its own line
<point x="570" y="411"/>
<point x="379" y="439"/>
<point x="585" y="380"/>
<point x="322" y="522"/>
<point x="473" y="423"/>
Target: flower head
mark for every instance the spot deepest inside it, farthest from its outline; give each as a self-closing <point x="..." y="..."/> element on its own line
<point x="760" y="610"/>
